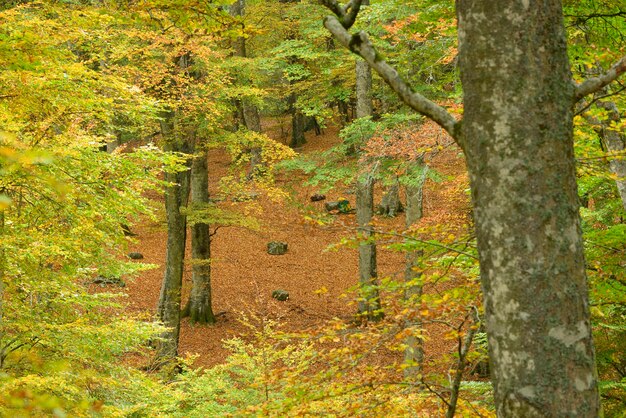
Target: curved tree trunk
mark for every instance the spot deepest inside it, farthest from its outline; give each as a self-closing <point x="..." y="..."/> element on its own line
<point x="176" y="196"/>
<point x="198" y="307"/>
<point x="517" y="137"/>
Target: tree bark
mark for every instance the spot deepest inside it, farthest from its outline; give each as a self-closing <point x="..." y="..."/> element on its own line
<point x="414" y="352"/>
<point x="297" y="125"/>
<point x="176" y="196"/>
<point x="517" y="138"/>
<point x="246" y="111"/>
<point x="369" y="305"/>
<point x="391" y="205"/>
<point x="198" y="307"/>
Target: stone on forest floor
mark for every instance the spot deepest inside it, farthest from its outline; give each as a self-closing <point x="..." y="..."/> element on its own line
<point x="135" y="256"/>
<point x="103" y="281"/>
<point x="317" y="197"/>
<point x="281" y="295"/>
<point x="341" y="205"/>
<point x="245" y="197"/>
<point x="276" y="248"/>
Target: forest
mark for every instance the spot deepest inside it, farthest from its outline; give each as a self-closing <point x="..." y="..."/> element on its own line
<point x="336" y="208"/>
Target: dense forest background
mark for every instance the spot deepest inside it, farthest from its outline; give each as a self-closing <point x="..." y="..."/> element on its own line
<point x="153" y="152"/>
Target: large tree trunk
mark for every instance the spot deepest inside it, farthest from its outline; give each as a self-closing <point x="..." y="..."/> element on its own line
<point x="176" y="196"/>
<point x="517" y="137"/>
<point x="198" y="308"/>
<point x="414" y="352"/>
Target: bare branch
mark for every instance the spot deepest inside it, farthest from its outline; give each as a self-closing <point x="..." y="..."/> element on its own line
<point x="352" y="10"/>
<point x="594" y="84"/>
<point x="360" y="44"/>
<point x="346" y="14"/>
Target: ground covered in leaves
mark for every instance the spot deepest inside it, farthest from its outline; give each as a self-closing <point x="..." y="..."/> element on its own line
<point x="244" y="275"/>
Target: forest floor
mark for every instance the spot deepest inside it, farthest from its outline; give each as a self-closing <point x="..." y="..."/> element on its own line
<point x="244" y="274"/>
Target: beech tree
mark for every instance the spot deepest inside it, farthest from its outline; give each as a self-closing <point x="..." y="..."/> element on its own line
<point x="370" y="304"/>
<point x="516" y="134"/>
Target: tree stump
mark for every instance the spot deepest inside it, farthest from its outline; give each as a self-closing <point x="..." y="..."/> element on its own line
<point x="276" y="248"/>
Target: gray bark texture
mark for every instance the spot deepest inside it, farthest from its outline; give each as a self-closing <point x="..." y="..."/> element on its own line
<point x="369" y="304"/>
<point x="414" y="352"/>
<point x="176" y="196"/>
<point x="614" y="141"/>
<point x="198" y="308"/>
<point x="364" y="89"/>
<point x="390" y="204"/>
<point x="517" y="138"/>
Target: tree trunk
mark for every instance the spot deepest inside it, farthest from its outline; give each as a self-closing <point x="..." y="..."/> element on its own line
<point x="297" y="125"/>
<point x="363" y="89"/>
<point x="247" y="112"/>
<point x="369" y="303"/>
<point x="414" y="352"/>
<point x="198" y="307"/>
<point x="614" y="141"/>
<point x="344" y="115"/>
<point x="391" y="205"/>
<point x="517" y="137"/>
<point x="368" y="276"/>
<point x="176" y="196"/>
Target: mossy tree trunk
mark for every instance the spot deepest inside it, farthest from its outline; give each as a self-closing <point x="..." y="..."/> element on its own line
<point x="517" y="137"/>
<point x="390" y="204"/>
<point x="176" y="197"/>
<point x="198" y="307"/>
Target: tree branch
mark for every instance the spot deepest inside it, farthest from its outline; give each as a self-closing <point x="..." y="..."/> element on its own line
<point x="360" y="44"/>
<point x="346" y="14"/>
<point x="594" y="84"/>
